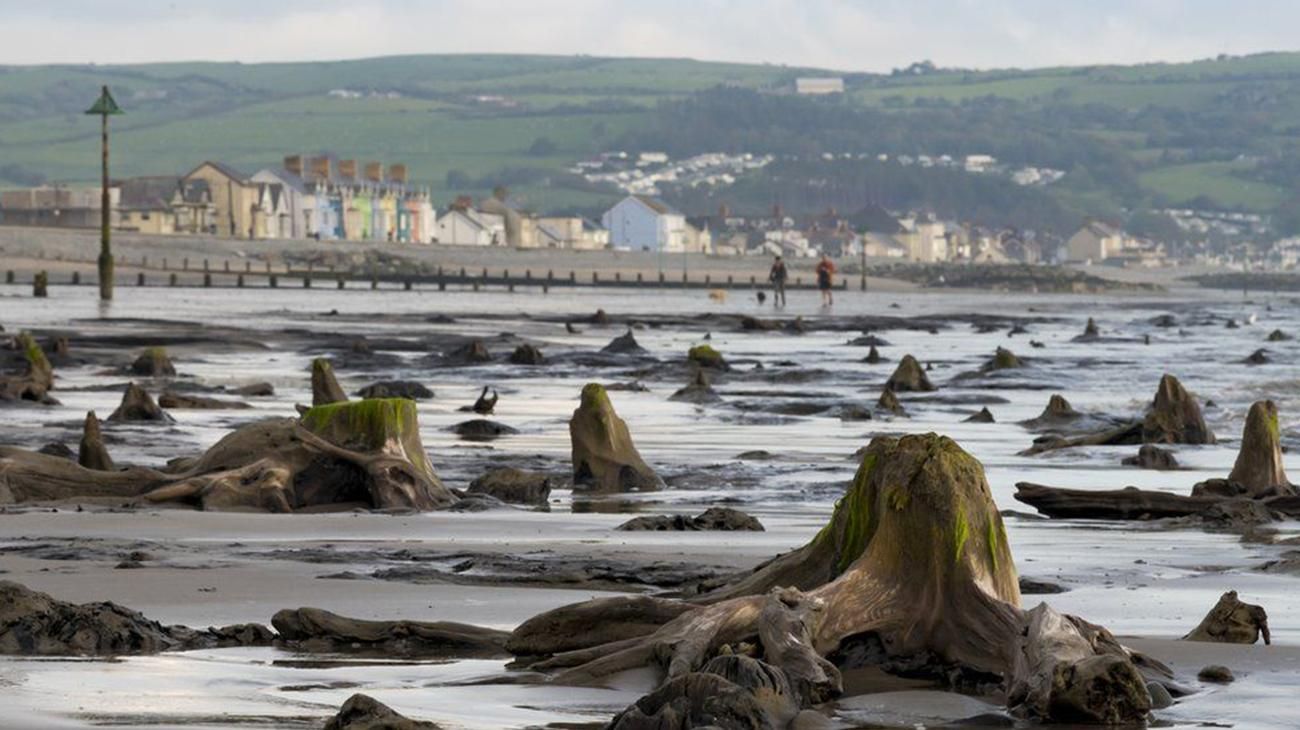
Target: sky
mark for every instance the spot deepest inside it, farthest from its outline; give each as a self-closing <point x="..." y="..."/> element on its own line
<point x="848" y="35"/>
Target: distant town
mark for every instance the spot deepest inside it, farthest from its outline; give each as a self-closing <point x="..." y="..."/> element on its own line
<point x="328" y="198"/>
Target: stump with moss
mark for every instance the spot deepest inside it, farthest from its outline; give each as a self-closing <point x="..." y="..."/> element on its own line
<point x="915" y="558"/>
<point x="604" y="457"/>
<point x="364" y="454"/>
<point x="32" y="377"/>
<point x="152" y="363"/>
<point x="705" y="356"/>
<point x="1258" y="469"/>
<point x="325" y="388"/>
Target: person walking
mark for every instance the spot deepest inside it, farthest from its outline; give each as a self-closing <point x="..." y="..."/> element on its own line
<point x="777" y="276"/>
<point x="825" y="276"/>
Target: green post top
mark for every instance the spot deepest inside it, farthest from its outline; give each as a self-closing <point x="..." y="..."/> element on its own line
<point x="105" y="105"/>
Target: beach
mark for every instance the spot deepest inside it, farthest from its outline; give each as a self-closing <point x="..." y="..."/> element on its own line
<point x="1148" y="582"/>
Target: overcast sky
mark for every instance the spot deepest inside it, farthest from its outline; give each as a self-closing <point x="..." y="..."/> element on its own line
<point x="867" y="35"/>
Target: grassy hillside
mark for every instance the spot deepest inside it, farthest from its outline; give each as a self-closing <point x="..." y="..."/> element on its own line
<point x="1129" y="137"/>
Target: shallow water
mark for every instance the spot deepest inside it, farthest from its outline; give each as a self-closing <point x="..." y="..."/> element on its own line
<point x="1144" y="580"/>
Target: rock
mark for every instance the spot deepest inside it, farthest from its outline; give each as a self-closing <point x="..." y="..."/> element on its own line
<point x="1160" y="697"/>
<point x="183" y="401"/>
<point x="1216" y="673"/>
<point x="1017" y="330"/>
<point x="909" y="377"/>
<point x="1232" y="621"/>
<point x="705" y="356"/>
<point x="1036" y="587"/>
<point x="325" y="388"/>
<point x="1175" y="418"/>
<point x="624" y="344"/>
<point x="527" y="354"/>
<point x="723" y="519"/>
<point x="889" y="403"/>
<point x="1152" y="457"/>
<point x="983" y="416"/>
<point x="152" y="363"/>
<point x="471" y="353"/>
<point x="481" y="429"/>
<point x="873" y="356"/>
<point x="756" y="455"/>
<point x="1258" y="468"/>
<point x="754" y="324"/>
<point x="35" y="624"/>
<point x="853" y="412"/>
<point x="513" y="486"/>
<point x="868" y="340"/>
<point x="599" y="318"/>
<point x="255" y="390"/>
<point x="1164" y="320"/>
<point x="361" y="712"/>
<point x="408" y="389"/>
<point x="1278" y="336"/>
<point x="92" y="454"/>
<point x="59" y="449"/>
<point x="604" y="458"/>
<point x="1036" y="344"/>
<point x="138" y="405"/>
<point x="698" y="391"/>
<point x="796" y="326"/>
<point x="1258" y="357"/>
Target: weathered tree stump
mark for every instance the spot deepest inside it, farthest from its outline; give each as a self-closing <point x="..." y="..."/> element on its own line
<point x="604" y="458"/>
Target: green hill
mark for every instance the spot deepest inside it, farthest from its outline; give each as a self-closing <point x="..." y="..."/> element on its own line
<point x="1215" y="133"/>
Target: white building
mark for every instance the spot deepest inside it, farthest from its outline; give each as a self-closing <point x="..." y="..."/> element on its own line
<point x="643" y="222"/>
<point x="469" y="227"/>
<point x="819" y="85"/>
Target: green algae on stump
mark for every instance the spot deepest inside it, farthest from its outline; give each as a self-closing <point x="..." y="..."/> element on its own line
<point x="1259" y="468"/>
<point x="36" y="378"/>
<point x="706" y="356"/>
<point x="325" y="388"/>
<point x="604" y="458"/>
<point x="152" y="363"/>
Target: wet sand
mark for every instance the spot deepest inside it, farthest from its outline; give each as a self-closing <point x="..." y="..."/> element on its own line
<point x="1149" y="582"/>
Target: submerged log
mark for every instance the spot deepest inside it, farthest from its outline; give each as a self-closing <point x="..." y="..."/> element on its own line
<point x="1129" y="503"/>
<point x="1232" y="621"/>
<point x="604" y="458"/>
<point x="92" y="454"/>
<point x="317" y="630"/>
<point x="325" y="388"/>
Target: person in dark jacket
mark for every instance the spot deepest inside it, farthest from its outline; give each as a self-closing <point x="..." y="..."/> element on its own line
<point x="777" y="276"/>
